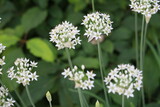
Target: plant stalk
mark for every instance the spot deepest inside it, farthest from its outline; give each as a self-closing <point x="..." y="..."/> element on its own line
<point x="29" y="96"/>
<point x="142" y="58"/>
<point x="122" y="100"/>
<point x="102" y="76"/>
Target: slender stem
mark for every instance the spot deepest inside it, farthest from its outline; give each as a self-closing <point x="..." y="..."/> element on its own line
<point x="122" y="100"/>
<point x="102" y="76"/>
<point x="141" y="58"/>
<point x="69" y="58"/>
<point x="144" y="43"/>
<point x="19" y="97"/>
<point x="141" y="45"/>
<point x="80" y="97"/>
<point x="9" y="94"/>
<point x="136" y="39"/>
<point x="50" y="104"/>
<point x="93" y="8"/>
<point x="29" y="96"/>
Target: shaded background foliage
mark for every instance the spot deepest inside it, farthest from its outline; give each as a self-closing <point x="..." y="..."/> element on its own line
<point x="25" y="28"/>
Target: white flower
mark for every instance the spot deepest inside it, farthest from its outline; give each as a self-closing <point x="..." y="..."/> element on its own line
<point x="64" y="35"/>
<point x="3" y="57"/>
<point x="90" y="75"/>
<point x="4" y="100"/>
<point x="124" y="80"/>
<point x="145" y="7"/>
<point x="97" y="24"/>
<point x="22" y="71"/>
<point x="82" y="80"/>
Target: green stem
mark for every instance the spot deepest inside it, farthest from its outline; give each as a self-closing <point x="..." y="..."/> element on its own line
<point x="141" y="58"/>
<point x="69" y="58"/>
<point x="102" y="76"/>
<point x="141" y="45"/>
<point x="144" y="42"/>
<point x="19" y="97"/>
<point x="136" y="40"/>
<point x="29" y="96"/>
<point x="122" y="100"/>
<point x="50" y="104"/>
<point x="80" y="97"/>
<point x="93" y="8"/>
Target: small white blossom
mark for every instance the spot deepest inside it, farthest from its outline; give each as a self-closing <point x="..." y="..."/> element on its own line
<point x="145" y="7"/>
<point x="4" y="100"/>
<point x="124" y="80"/>
<point x="64" y="35"/>
<point x="97" y="24"/>
<point x="22" y="71"/>
<point x="82" y="80"/>
<point x="2" y="48"/>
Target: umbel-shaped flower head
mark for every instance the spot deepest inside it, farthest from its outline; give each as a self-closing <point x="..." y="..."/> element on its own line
<point x="64" y="35"/>
<point x="124" y="80"/>
<point x="22" y="71"/>
<point x="80" y="77"/>
<point x="97" y="24"/>
<point x="3" y="58"/>
<point x="5" y="101"/>
<point x="145" y="7"/>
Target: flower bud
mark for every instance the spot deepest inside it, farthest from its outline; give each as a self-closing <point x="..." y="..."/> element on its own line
<point x="48" y="96"/>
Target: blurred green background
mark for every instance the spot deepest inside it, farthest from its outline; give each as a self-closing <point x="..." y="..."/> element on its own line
<point x="25" y="28"/>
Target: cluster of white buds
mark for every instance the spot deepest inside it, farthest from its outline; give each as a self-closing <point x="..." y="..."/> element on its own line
<point x="22" y="71"/>
<point x="4" y="100"/>
<point x="97" y="24"/>
<point x="64" y="35"/>
<point x="3" y="57"/>
<point x="124" y="80"/>
<point x="82" y="80"/>
<point x="145" y="7"/>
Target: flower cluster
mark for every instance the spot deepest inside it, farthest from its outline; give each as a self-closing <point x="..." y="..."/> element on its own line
<point x="124" y="80"/>
<point x="3" y="58"/>
<point x="82" y="80"/>
<point x="4" y="100"/>
<point x="64" y="35"/>
<point x="22" y="71"/>
<point x="145" y="7"/>
<point x="97" y="24"/>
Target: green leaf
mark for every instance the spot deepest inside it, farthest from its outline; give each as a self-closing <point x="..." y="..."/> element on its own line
<point x="38" y="47"/>
<point x="8" y="40"/>
<point x="41" y="3"/>
<point x="87" y="61"/>
<point x="108" y="46"/>
<point x="32" y="18"/>
<point x="121" y="33"/>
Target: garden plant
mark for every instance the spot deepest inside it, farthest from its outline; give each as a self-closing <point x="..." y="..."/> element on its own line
<point x="79" y="53"/>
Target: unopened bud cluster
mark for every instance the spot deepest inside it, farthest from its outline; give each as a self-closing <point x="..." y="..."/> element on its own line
<point x="97" y="24"/>
<point x="82" y="80"/>
<point x="5" y="101"/>
<point x="22" y="71"/>
<point x="64" y="35"/>
<point x="124" y="80"/>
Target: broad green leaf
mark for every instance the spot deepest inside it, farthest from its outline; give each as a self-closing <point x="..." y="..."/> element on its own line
<point x="32" y="18"/>
<point x="41" y="3"/>
<point x="121" y="33"/>
<point x="108" y="46"/>
<point x="38" y="47"/>
<point x="8" y="40"/>
<point x="89" y="62"/>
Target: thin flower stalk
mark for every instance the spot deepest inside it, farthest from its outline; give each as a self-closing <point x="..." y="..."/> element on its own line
<point x="29" y="96"/>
